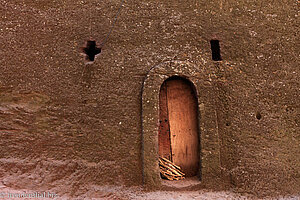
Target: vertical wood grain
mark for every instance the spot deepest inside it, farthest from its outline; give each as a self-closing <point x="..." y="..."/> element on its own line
<point x="164" y="141"/>
<point x="182" y="112"/>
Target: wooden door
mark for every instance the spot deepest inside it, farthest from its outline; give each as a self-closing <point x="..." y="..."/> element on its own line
<point x="164" y="140"/>
<point x="178" y="132"/>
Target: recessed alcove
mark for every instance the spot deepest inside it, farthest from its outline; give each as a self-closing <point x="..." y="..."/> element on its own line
<point x="178" y="134"/>
<point x="206" y="150"/>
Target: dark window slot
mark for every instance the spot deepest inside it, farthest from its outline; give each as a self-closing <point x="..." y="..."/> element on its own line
<point x="215" y="50"/>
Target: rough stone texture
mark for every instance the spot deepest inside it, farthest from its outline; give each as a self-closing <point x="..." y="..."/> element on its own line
<point x="73" y="123"/>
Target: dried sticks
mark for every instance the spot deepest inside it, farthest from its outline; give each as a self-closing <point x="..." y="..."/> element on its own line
<point x="169" y="170"/>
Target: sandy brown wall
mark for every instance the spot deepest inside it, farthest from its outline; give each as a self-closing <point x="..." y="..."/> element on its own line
<point x="72" y="123"/>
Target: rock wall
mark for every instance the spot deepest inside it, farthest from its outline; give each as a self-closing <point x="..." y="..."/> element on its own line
<point x="72" y="122"/>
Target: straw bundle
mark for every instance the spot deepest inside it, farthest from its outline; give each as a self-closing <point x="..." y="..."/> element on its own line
<point x="169" y="170"/>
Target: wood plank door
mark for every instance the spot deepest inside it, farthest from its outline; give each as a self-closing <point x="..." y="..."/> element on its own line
<point x="181" y="113"/>
<point x="164" y="140"/>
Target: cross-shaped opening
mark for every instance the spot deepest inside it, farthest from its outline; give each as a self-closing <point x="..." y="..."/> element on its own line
<point x="91" y="50"/>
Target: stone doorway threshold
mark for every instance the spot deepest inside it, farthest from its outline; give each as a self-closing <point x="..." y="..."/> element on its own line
<point x="189" y="183"/>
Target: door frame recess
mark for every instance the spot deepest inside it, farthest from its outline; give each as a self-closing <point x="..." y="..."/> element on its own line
<point x="209" y="152"/>
<point x="186" y="129"/>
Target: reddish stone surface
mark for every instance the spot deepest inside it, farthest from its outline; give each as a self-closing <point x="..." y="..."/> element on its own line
<point x="66" y="122"/>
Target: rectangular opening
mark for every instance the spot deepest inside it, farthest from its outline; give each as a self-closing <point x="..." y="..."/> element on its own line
<point x="215" y="50"/>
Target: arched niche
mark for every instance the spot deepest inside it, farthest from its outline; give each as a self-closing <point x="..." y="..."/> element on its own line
<point x="209" y="154"/>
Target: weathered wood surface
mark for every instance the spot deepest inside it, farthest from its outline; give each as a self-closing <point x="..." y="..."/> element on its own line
<point x="164" y="141"/>
<point x="182" y="112"/>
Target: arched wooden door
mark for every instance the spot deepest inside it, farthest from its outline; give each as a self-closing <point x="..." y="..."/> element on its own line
<point x="178" y="128"/>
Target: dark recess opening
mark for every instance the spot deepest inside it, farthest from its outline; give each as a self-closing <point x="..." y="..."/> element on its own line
<point x="258" y="116"/>
<point x="215" y="50"/>
<point x="91" y="50"/>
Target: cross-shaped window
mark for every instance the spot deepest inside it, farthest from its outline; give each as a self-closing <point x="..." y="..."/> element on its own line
<point x="91" y="50"/>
